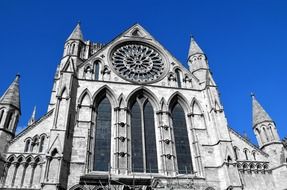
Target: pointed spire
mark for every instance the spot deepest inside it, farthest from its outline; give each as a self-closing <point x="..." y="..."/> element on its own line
<point x="33" y="117"/>
<point x="194" y="48"/>
<point x="12" y="95"/>
<point x="76" y="34"/>
<point x="258" y="113"/>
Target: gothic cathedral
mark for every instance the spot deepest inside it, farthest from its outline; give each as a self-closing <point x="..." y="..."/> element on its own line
<point x="128" y="115"/>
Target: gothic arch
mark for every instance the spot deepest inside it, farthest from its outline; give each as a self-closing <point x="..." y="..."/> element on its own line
<point x="145" y="92"/>
<point x="63" y="93"/>
<point x="85" y="98"/>
<point x="122" y="102"/>
<point x="44" y="134"/>
<point x="143" y="106"/>
<point x="21" y="158"/>
<point x="236" y="152"/>
<point x="36" y="137"/>
<point x="31" y="158"/>
<point x="11" y="158"/>
<point x="163" y="104"/>
<point x="196" y="107"/>
<point x="28" y="138"/>
<point x="2" y="110"/>
<point x="38" y="159"/>
<point x="178" y="97"/>
<point x="101" y="93"/>
<point x="246" y="152"/>
<point x="78" y="187"/>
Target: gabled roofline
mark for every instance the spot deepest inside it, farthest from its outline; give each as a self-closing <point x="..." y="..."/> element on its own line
<point x="123" y="34"/>
<point x="248" y="142"/>
<point x="27" y="129"/>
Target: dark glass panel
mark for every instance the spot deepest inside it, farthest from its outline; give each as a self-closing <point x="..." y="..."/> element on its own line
<point x="1" y="115"/>
<point x="178" y="79"/>
<point x="181" y="140"/>
<point x="41" y="144"/>
<point x="27" y="146"/>
<point x="97" y="65"/>
<point x="137" y="144"/>
<point x="103" y="136"/>
<point x="150" y="139"/>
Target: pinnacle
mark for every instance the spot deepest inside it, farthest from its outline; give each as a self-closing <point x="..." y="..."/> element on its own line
<point x="12" y="95"/>
<point x="258" y="113"/>
<point x="76" y="34"/>
<point x="194" y="47"/>
<point x="33" y="117"/>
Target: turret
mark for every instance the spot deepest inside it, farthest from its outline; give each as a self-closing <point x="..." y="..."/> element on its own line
<point x="263" y="126"/>
<point x="75" y="45"/>
<point x="9" y="114"/>
<point x="197" y="62"/>
<point x="10" y="109"/>
<point x="266" y="133"/>
<point x="75" y="51"/>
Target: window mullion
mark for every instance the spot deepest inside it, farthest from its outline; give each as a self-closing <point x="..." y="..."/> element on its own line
<point x="143" y="136"/>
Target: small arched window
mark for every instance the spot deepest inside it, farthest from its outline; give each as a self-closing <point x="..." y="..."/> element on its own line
<point x="27" y="145"/>
<point x="34" y="144"/>
<point x="254" y="155"/>
<point x="271" y="132"/>
<point x="41" y="146"/>
<point x="1" y="114"/>
<point x="88" y="73"/>
<point x="73" y="48"/>
<point x="8" y="121"/>
<point x="178" y="78"/>
<point x="229" y="159"/>
<point x="246" y="154"/>
<point x="235" y="152"/>
<point x="265" y="133"/>
<point x="97" y="69"/>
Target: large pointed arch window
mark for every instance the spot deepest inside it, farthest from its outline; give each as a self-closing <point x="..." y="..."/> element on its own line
<point x="143" y="138"/>
<point x="182" y="146"/>
<point x="102" y="147"/>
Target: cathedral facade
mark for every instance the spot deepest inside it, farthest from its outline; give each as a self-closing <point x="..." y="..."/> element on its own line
<point x="128" y="115"/>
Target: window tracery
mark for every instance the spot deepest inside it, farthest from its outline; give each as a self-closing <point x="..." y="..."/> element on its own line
<point x="138" y="62"/>
<point x="144" y="152"/>
<point x="102" y="145"/>
<point x="182" y="146"/>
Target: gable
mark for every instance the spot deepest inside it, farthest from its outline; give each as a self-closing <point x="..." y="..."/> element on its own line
<point x="37" y="129"/>
<point x="242" y="144"/>
<point x="117" y="61"/>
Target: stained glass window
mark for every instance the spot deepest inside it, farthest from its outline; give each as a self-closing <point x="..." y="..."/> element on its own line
<point x="181" y="140"/>
<point x="97" y="70"/>
<point x="144" y="153"/>
<point x="150" y="139"/>
<point x="103" y="136"/>
<point x="136" y="140"/>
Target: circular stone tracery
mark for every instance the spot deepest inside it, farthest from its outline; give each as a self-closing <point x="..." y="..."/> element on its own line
<point x="137" y="62"/>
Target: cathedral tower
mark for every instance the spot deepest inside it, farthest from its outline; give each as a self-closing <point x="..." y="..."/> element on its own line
<point x="266" y="133"/>
<point x="197" y="62"/>
<point x="63" y="102"/>
<point x="9" y="115"/>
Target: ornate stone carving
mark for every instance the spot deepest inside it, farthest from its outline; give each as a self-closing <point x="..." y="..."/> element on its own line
<point x="138" y="62"/>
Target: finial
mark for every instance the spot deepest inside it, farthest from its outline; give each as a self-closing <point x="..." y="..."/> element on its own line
<point x="192" y="36"/>
<point x="252" y="94"/>
<point x="79" y="22"/>
<point x="245" y="135"/>
<point x="18" y="75"/>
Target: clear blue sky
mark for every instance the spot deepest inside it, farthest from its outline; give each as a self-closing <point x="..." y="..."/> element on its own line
<point x="245" y="42"/>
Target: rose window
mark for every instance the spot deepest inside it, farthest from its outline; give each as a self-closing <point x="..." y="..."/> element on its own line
<point x="138" y="62"/>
